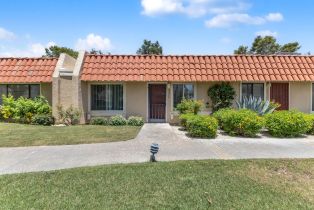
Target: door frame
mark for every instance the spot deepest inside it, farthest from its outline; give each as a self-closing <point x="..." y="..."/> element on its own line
<point x="148" y="101"/>
<point x="269" y="91"/>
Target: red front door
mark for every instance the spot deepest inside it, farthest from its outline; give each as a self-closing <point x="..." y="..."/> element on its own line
<point x="157" y="101"/>
<point x="279" y="93"/>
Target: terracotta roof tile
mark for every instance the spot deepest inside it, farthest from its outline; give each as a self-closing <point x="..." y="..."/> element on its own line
<point x="26" y="70"/>
<point x="195" y="68"/>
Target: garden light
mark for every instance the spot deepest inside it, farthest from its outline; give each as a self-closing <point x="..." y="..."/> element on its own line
<point x="154" y="150"/>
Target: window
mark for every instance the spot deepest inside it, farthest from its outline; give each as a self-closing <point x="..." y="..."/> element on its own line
<point x="182" y="91"/>
<point x="253" y="89"/>
<point x="19" y="90"/>
<point x="107" y="97"/>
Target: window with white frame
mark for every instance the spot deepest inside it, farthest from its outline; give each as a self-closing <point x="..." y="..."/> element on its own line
<point x="19" y="90"/>
<point x="107" y="97"/>
<point x="182" y="91"/>
<point x="253" y="89"/>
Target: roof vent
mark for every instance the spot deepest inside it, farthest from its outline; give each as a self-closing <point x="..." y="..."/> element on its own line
<point x="65" y="72"/>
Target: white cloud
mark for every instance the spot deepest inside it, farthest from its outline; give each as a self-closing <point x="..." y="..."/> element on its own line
<point x="32" y="50"/>
<point x="274" y="17"/>
<point x="192" y="8"/>
<point x="266" y="33"/>
<point x="228" y="20"/>
<point x="93" y="41"/>
<point x="6" y="35"/>
<point x="156" y="7"/>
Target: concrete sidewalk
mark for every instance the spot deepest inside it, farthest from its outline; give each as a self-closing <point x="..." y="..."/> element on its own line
<point x="174" y="145"/>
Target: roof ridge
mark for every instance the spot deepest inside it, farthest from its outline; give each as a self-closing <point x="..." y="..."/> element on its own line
<point x="34" y="58"/>
<point x="190" y="55"/>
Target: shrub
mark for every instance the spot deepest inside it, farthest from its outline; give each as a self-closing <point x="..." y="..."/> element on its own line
<point x="257" y="105"/>
<point x="310" y="120"/>
<point x="69" y="116"/>
<point x="185" y="117"/>
<point x="99" y="121"/>
<point x="135" y="121"/>
<point x="242" y="122"/>
<point x="23" y="109"/>
<point x="221" y="96"/>
<point x="43" y="119"/>
<point x="189" y="106"/>
<point x="221" y="113"/>
<point x="202" y="126"/>
<point x="118" y="120"/>
<point x="287" y="123"/>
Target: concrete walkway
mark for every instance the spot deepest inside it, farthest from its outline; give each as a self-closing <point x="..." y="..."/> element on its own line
<point x="174" y="145"/>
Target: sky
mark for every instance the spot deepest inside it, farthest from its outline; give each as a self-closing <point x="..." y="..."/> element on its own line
<point x="181" y="26"/>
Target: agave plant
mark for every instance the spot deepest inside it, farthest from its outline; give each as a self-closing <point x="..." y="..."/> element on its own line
<point x="257" y="105"/>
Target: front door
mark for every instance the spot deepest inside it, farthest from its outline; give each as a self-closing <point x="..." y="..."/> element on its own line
<point x="279" y="93"/>
<point x="157" y="102"/>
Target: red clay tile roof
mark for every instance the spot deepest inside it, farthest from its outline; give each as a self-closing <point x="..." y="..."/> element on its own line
<point x="198" y="68"/>
<point x="26" y="70"/>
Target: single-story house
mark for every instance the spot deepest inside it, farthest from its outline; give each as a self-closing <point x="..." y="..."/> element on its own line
<point x="27" y="77"/>
<point x="151" y="86"/>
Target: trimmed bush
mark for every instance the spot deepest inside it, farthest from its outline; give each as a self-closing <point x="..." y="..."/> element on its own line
<point x="99" y="121"/>
<point x="202" y="126"/>
<point x="43" y="119"/>
<point x="310" y="119"/>
<point x="287" y="123"/>
<point x="184" y="117"/>
<point x="242" y="122"/>
<point x="221" y="113"/>
<point x="118" y="120"/>
<point x="189" y="106"/>
<point x="135" y="121"/>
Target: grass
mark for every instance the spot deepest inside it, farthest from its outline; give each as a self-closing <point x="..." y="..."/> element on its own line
<point x="15" y="135"/>
<point x="210" y="184"/>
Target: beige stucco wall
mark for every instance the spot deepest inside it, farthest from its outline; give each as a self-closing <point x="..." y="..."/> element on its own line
<point x="300" y="96"/>
<point x="46" y="91"/>
<point x="136" y="99"/>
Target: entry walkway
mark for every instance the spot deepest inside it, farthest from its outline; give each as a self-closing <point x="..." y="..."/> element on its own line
<point x="174" y="145"/>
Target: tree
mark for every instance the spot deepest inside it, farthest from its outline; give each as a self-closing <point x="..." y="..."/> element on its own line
<point x="95" y="52"/>
<point x="290" y="47"/>
<point x="268" y="45"/>
<point x="55" y="51"/>
<point x="221" y="96"/>
<point x="265" y="45"/>
<point x="241" y="50"/>
<point x="149" y="48"/>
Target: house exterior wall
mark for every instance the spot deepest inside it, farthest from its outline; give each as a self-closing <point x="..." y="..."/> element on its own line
<point x="136" y="99"/>
<point x="300" y="96"/>
<point x="46" y="91"/>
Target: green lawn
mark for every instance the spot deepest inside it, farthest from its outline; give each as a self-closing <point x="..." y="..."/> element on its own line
<point x="15" y="135"/>
<point x="239" y="184"/>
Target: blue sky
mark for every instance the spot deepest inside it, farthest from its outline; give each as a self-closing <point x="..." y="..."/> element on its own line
<point x="181" y="26"/>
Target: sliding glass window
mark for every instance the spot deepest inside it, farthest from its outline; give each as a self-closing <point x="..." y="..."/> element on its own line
<point x="19" y="90"/>
<point x="182" y="91"/>
<point x="253" y="89"/>
<point x="107" y="97"/>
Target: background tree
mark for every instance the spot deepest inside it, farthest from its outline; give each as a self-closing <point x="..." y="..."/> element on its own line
<point x="55" y="51"/>
<point x="149" y="48"/>
<point x="290" y="47"/>
<point x="96" y="52"/>
<point x="241" y="50"/>
<point x="268" y="45"/>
